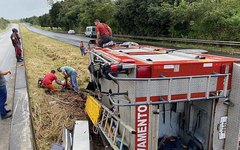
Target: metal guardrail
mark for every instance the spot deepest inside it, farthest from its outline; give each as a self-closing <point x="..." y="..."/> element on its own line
<point x="185" y="40"/>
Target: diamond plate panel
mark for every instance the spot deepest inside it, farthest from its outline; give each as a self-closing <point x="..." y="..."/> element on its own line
<point x="107" y="84"/>
<point x="158" y="87"/>
<point x="200" y="85"/>
<point x="141" y="88"/>
<point x="178" y="86"/>
<point x="127" y="86"/>
<point x="127" y="114"/>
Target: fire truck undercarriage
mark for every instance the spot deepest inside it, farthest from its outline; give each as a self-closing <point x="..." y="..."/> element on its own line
<point x="159" y="100"/>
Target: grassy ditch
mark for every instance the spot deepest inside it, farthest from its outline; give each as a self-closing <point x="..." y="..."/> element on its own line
<point x="4" y="24"/>
<point x="51" y="112"/>
<point x="4" y="28"/>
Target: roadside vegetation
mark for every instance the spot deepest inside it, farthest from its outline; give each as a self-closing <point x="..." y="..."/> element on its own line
<point x="3" y="24"/>
<point x="202" y="19"/>
<point x="51" y="112"/>
<point x="53" y="29"/>
<point x="229" y="51"/>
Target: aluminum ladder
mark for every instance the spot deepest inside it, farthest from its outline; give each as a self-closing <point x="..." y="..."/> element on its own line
<point x="109" y="125"/>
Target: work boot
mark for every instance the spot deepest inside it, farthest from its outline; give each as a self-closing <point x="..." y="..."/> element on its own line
<point x="8" y="111"/>
<point x="48" y="92"/>
<point x="19" y="59"/>
<point x="6" y="116"/>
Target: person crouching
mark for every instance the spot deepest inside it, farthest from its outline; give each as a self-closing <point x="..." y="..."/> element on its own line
<point x="48" y="79"/>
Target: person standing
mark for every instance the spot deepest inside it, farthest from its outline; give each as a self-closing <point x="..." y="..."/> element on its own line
<point x="104" y="33"/>
<point x="72" y="73"/>
<point x="82" y="48"/>
<point x="3" y="95"/>
<point x="16" y="44"/>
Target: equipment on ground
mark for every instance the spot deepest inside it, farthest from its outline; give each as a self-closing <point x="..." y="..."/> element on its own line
<point x="77" y="138"/>
<point x="39" y="83"/>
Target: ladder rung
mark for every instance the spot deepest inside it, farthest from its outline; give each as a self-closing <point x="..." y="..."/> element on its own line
<point x="110" y="127"/>
<point x="106" y="120"/>
<point x="103" y="117"/>
<point x="121" y="146"/>
<point x="110" y="131"/>
<point x="115" y="133"/>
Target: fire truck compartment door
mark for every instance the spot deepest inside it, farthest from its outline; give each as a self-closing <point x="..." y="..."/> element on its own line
<point x="233" y="121"/>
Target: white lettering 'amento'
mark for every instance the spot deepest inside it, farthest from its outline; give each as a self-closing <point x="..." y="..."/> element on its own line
<point x="142" y="108"/>
<point x="142" y="127"/>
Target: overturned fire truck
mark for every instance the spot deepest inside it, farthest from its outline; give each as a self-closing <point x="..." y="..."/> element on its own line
<point x="152" y="98"/>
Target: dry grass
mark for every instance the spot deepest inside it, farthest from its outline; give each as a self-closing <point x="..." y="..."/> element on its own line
<point x="2" y="30"/>
<point x="51" y="113"/>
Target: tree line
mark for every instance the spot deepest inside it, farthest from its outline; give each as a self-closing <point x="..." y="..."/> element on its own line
<point x="203" y="19"/>
<point x="3" y="23"/>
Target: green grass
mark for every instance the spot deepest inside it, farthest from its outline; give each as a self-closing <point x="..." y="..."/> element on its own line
<point x="2" y="30"/>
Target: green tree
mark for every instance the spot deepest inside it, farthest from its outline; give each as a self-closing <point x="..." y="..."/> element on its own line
<point x="87" y="13"/>
<point x="205" y="19"/>
<point x="54" y="13"/>
<point x="45" y="20"/>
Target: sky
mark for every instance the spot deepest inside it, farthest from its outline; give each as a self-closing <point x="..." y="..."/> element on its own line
<point x="17" y="9"/>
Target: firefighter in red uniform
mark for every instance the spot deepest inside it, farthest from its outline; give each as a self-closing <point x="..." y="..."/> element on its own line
<point x="17" y="44"/>
<point x="48" y="79"/>
<point x="104" y="33"/>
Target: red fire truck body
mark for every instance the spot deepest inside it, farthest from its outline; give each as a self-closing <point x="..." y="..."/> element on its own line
<point x="155" y="79"/>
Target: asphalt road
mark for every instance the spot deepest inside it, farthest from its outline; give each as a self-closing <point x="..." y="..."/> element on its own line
<point x="7" y="62"/>
<point x="70" y="39"/>
<point x="6" y="49"/>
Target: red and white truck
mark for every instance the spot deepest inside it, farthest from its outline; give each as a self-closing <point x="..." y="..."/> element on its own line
<point x="154" y="98"/>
